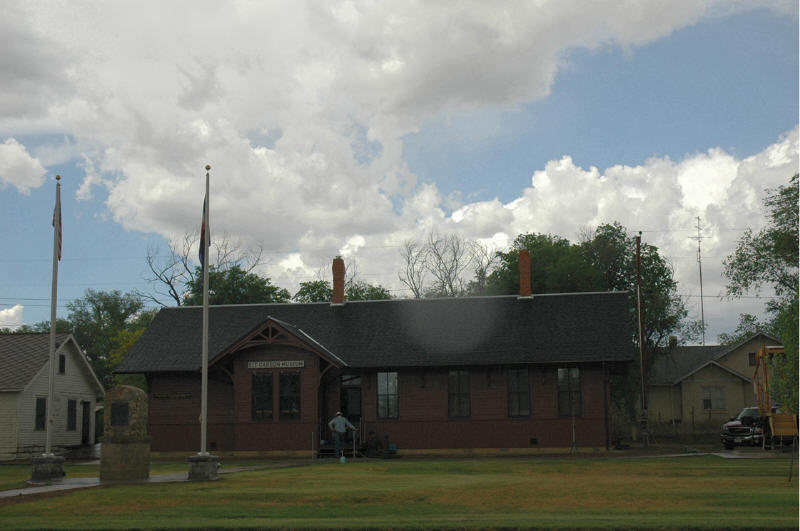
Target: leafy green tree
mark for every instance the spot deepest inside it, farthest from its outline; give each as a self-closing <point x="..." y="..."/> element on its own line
<point x="362" y="291"/>
<point x="62" y="325"/>
<point x="770" y="257"/>
<point x="557" y="266"/>
<point x="314" y="291"/>
<point x="612" y="252"/>
<point x="96" y="320"/>
<point x="233" y="286"/>
<point x="748" y="325"/>
<point x="121" y="344"/>
<point x="321" y="291"/>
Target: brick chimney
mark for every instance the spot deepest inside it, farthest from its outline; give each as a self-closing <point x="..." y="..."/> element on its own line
<point x="338" y="281"/>
<point x="524" y="273"/>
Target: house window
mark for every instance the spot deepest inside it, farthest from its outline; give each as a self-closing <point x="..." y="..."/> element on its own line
<point x="41" y="413"/>
<point x="261" y="396"/>
<point x="458" y="393"/>
<point x="289" y="399"/>
<point x="713" y="398"/>
<point x="62" y="363"/>
<point x="751" y="359"/>
<point x="387" y="395"/>
<point x="569" y="392"/>
<point x="519" y="393"/>
<point x="72" y="415"/>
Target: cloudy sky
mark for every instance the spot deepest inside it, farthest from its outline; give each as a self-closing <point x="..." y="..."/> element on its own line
<point x="348" y="127"/>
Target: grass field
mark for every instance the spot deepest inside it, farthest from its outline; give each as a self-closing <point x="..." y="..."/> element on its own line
<point x="695" y="492"/>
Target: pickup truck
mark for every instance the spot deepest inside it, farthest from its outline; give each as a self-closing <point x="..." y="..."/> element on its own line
<point x="745" y="429"/>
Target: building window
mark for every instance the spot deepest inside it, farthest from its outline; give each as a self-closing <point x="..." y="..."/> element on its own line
<point x="751" y="359"/>
<point x="72" y="415"/>
<point x="289" y="400"/>
<point x="41" y="413"/>
<point x="569" y="392"/>
<point x="458" y="394"/>
<point x="713" y="398"/>
<point x="519" y="393"/>
<point x="62" y="363"/>
<point x="387" y="395"/>
<point x="261" y="396"/>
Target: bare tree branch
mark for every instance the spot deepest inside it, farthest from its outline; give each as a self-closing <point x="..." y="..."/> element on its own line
<point x="484" y="258"/>
<point x="414" y="260"/>
<point x="447" y="258"/>
<point x="172" y="272"/>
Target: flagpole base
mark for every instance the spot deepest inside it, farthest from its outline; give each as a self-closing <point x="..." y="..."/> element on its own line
<point x="203" y="467"/>
<point x="46" y="468"/>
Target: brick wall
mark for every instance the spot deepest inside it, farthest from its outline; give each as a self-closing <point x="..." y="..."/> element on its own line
<point x="423" y="421"/>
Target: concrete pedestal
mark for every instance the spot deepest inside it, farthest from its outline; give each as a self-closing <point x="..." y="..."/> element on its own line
<point x="203" y="467"/>
<point x="46" y="469"/>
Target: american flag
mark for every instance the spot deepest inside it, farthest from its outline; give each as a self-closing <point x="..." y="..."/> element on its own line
<point x="203" y="234"/>
<point x="57" y="219"/>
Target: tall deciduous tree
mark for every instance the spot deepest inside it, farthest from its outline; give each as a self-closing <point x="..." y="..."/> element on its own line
<point x="612" y="253"/>
<point x="439" y="266"/>
<point x="770" y="257"/>
<point x="97" y="318"/>
<point x="174" y="272"/>
<point x="748" y="325"/>
<point x="557" y="266"/>
<point x="233" y="286"/>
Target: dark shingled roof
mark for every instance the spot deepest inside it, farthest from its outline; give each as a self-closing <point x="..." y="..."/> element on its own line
<point x="22" y="356"/>
<point x="561" y="328"/>
<point x="672" y="367"/>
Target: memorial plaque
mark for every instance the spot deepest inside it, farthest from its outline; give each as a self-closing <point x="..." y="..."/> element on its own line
<point x="119" y="414"/>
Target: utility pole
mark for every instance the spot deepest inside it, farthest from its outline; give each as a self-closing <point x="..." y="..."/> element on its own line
<point x="700" y="267"/>
<point x="644" y="421"/>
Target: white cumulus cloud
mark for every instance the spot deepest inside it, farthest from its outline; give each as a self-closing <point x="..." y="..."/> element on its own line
<point x="11" y="317"/>
<point x="18" y="168"/>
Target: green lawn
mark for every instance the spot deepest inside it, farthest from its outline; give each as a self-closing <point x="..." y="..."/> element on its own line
<point x="697" y="492"/>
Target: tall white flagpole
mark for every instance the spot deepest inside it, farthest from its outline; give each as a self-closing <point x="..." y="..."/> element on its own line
<point x="204" y="398"/>
<point x="52" y="375"/>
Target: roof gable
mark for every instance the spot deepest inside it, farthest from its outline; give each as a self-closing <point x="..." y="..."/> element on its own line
<point x="276" y="332"/>
<point x="23" y="356"/>
<point x="713" y="363"/>
<point x="672" y="366"/>
<point x="732" y="348"/>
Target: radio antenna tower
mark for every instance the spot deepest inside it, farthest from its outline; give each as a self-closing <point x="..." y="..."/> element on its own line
<point x="700" y="268"/>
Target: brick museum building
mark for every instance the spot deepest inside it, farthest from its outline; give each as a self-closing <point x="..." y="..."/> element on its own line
<point x="508" y="373"/>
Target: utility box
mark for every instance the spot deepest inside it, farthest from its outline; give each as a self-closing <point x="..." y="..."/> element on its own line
<point x="125" y="445"/>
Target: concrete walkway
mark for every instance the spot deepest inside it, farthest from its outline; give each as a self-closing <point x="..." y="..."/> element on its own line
<point x="83" y="483"/>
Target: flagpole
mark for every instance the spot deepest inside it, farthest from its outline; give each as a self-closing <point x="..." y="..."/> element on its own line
<point x="54" y="295"/>
<point x="204" y="399"/>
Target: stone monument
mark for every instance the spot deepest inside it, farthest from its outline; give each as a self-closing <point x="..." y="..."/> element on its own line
<point x="125" y="449"/>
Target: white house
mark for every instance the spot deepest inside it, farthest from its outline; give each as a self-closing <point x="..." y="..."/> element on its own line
<point x="24" y="359"/>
